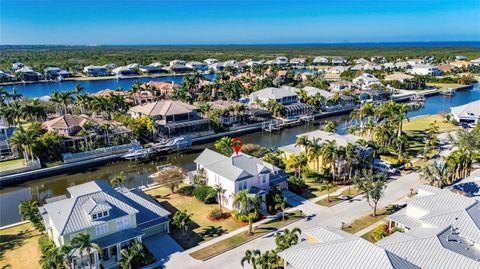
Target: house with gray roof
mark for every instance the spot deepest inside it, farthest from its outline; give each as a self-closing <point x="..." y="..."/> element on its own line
<point x="332" y="248"/>
<point x="442" y="230"/>
<point x="238" y="173"/>
<point x="469" y="113"/>
<point x="113" y="218"/>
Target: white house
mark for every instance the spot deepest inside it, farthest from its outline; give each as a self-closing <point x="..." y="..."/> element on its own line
<point x="210" y="61"/>
<point x="197" y="66"/>
<point x="414" y="62"/>
<point x="425" y="69"/>
<point x="281" y="95"/>
<point x="240" y="173"/>
<point x="319" y="60"/>
<point x="95" y="71"/>
<point x="113" y="218"/>
<point x="297" y="61"/>
<point x="343" y="85"/>
<point x="339" y="61"/>
<point x="366" y="80"/>
<point x="281" y="60"/>
<point x="469" y="113"/>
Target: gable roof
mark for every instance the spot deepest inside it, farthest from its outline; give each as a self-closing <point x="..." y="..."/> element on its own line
<point x="273" y="93"/>
<point x="464" y="110"/>
<point x="236" y="167"/>
<point x="65" y="121"/>
<point x="336" y="249"/>
<point x="71" y="214"/>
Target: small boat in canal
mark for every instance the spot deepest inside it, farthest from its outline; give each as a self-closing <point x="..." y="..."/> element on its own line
<point x="138" y="154"/>
<point x="161" y="169"/>
<point x="418" y="98"/>
<point x="448" y="92"/>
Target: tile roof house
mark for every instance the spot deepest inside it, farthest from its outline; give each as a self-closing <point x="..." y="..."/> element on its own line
<point x="319" y="60"/>
<point x="165" y="88"/>
<point x="173" y="118"/>
<point x="240" y="173"/>
<point x="113" y="218"/>
<point x="442" y="230"/>
<point x="469" y="113"/>
<point x="331" y="248"/>
<point x="95" y="71"/>
<point x="71" y="124"/>
<point x="281" y="95"/>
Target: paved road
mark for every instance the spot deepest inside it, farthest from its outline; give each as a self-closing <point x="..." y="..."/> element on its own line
<point x="332" y="217"/>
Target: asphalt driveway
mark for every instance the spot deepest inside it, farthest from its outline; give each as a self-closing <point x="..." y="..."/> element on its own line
<point x="162" y="246"/>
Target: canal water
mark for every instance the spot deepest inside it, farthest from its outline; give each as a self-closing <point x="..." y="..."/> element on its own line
<point x="137" y="173"/>
<point x="91" y="86"/>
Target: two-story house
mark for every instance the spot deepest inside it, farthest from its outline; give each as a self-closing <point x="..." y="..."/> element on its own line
<point x="173" y="118"/>
<point x="113" y="218"/>
<point x="240" y="173"/>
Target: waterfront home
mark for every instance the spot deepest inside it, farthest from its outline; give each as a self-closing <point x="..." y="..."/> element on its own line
<point x="442" y="230"/>
<point x="95" y="71"/>
<point x="69" y="124"/>
<point x="366" y="80"/>
<point x="6" y="76"/>
<point x="322" y="136"/>
<point x="238" y="173"/>
<point x="334" y="248"/>
<point x="401" y="65"/>
<point x="113" y="218"/>
<point x="319" y="60"/>
<point x="337" y="69"/>
<point x="339" y="61"/>
<point x="210" y="61"/>
<point x="297" y="61"/>
<point x="175" y="62"/>
<point x="197" y="66"/>
<point x="281" y="95"/>
<point x="397" y="76"/>
<point x="16" y="66"/>
<point x="110" y="66"/>
<point x="461" y="64"/>
<point x="425" y="70"/>
<point x="228" y="116"/>
<point x="468" y="113"/>
<point x="282" y="61"/>
<point x="152" y="68"/>
<point x="460" y="58"/>
<point x="174" y="118"/>
<point x="217" y="66"/>
<point x="27" y="73"/>
<point x="56" y="73"/>
<point x="343" y="85"/>
<point x="475" y="62"/>
<point x="414" y="62"/>
<point x="164" y="88"/>
<point x="179" y="68"/>
<point x="125" y="71"/>
<point x="445" y="68"/>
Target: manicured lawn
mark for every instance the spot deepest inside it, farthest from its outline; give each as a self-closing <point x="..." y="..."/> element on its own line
<point x="202" y="229"/>
<point x="421" y="123"/>
<point x="333" y="200"/>
<point x="240" y="238"/>
<point x="315" y="189"/>
<point x="365" y="221"/>
<point x="368" y="236"/>
<point x="445" y="85"/>
<point x="11" y="164"/>
<point x="19" y="247"/>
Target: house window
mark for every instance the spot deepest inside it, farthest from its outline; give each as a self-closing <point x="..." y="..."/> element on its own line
<point x="94" y="216"/>
<point x="123" y="224"/>
<point x="105" y="213"/>
<point x="101" y="229"/>
<point x="242" y="185"/>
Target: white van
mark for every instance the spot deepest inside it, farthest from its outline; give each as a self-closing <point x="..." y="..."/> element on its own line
<point x="383" y="166"/>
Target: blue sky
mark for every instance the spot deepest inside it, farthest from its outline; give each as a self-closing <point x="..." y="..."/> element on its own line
<point x="236" y="22"/>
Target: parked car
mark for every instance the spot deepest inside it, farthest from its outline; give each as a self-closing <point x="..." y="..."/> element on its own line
<point x="383" y="166"/>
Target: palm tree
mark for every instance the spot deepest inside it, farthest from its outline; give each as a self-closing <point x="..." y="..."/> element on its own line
<point x="302" y="141"/>
<point x="402" y="144"/>
<point x="83" y="100"/>
<point x="82" y="242"/>
<point x="250" y="257"/>
<point x="330" y="127"/>
<point x="78" y="88"/>
<point x="352" y="157"/>
<point x="22" y="139"/>
<point x="182" y="220"/>
<point x="330" y="154"/>
<point x="280" y="204"/>
<point x="242" y="199"/>
<point x="135" y="89"/>
<point x="220" y="191"/>
<point x="287" y="238"/>
<point x="135" y="250"/>
<point x="118" y="180"/>
<point x="224" y="145"/>
<point x="400" y="115"/>
<point x="327" y="185"/>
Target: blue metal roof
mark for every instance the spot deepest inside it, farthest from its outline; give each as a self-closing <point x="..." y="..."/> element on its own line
<point x="119" y="237"/>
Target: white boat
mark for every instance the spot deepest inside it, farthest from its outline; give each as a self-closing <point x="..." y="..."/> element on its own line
<point x="448" y="92"/>
<point x="137" y="154"/>
<point x="161" y="169"/>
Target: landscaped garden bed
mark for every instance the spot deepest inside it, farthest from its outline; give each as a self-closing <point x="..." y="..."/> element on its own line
<point x="202" y="227"/>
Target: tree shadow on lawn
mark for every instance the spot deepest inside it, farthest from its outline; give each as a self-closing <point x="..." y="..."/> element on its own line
<point x="11" y="241"/>
<point x="212" y="232"/>
<point x="416" y="142"/>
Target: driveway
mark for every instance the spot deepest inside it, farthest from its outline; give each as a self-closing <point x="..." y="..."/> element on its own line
<point x="292" y="199"/>
<point x="162" y="246"/>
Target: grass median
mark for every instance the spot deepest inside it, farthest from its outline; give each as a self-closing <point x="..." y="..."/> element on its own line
<point x="241" y="238"/>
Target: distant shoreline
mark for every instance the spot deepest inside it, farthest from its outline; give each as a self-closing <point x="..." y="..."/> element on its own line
<point x="407" y="44"/>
